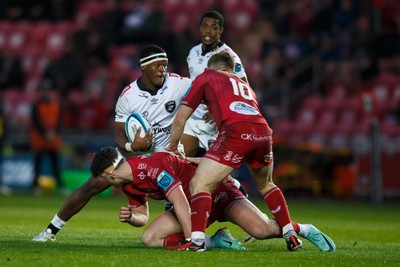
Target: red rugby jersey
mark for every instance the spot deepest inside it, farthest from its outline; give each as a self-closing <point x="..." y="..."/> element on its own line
<point x="228" y="98"/>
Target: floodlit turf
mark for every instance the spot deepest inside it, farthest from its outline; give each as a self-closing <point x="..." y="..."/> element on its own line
<point x="365" y="235"/>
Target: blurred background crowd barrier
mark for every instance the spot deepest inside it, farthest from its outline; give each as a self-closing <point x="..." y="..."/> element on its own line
<point x="323" y="71"/>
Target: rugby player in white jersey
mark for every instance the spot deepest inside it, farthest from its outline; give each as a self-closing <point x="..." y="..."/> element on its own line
<point x="156" y="95"/>
<point x="200" y="130"/>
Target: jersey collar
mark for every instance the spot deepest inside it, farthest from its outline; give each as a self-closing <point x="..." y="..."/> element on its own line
<point x="151" y="92"/>
<point x="205" y="51"/>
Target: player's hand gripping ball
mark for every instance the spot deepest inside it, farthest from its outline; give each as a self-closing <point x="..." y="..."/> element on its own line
<point x="132" y="125"/>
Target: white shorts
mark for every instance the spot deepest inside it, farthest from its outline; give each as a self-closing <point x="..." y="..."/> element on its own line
<point x="205" y="132"/>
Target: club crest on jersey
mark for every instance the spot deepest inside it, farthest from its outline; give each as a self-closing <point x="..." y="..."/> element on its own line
<point x="164" y="180"/>
<point x="170" y="106"/>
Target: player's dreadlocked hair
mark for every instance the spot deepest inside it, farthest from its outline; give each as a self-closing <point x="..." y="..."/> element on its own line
<point x="215" y="15"/>
<point x="222" y="57"/>
<point x="102" y="160"/>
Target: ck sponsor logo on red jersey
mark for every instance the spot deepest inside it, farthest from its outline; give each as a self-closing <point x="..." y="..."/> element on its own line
<point x="252" y="137"/>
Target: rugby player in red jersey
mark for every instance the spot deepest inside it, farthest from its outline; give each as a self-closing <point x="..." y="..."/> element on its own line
<point x="162" y="175"/>
<point x="244" y="137"/>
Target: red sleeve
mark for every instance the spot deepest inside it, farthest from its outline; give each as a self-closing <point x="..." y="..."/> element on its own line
<point x="195" y="94"/>
<point x="134" y="200"/>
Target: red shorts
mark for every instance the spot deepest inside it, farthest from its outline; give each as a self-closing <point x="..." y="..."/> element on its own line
<point x="243" y="142"/>
<point x="225" y="193"/>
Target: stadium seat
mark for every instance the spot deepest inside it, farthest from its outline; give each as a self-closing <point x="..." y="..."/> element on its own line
<point x="18" y="37"/>
<point x="314" y="102"/>
<point x="362" y="126"/>
<point x="323" y="127"/>
<point x="282" y="129"/>
<point x="390" y="127"/>
<point x="353" y="103"/>
<point x="242" y="13"/>
<point x="180" y="22"/>
<point x="381" y="93"/>
<point x="42" y="29"/>
<point x="302" y="127"/>
<point x="336" y="98"/>
<point x="5" y="29"/>
<point x="347" y="120"/>
<point x="92" y="8"/>
<point x="55" y="43"/>
<point x="326" y="121"/>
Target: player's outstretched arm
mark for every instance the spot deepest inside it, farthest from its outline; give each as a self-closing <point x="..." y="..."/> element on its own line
<point x="74" y="203"/>
<point x="178" y="126"/>
<point x="81" y="196"/>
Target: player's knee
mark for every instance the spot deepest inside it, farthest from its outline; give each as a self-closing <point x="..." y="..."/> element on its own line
<point x="149" y="239"/>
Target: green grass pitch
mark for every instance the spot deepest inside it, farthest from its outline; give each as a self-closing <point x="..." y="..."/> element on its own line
<point x="365" y="235"/>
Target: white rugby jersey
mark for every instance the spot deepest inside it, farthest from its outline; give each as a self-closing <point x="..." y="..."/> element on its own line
<point x="158" y="107"/>
<point x="197" y="62"/>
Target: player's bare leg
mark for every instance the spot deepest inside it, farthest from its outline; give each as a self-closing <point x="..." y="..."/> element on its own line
<point x="246" y="215"/>
<point x="160" y="228"/>
<point x="190" y="144"/>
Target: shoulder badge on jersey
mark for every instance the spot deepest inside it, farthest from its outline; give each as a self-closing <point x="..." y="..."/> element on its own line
<point x="164" y="180"/>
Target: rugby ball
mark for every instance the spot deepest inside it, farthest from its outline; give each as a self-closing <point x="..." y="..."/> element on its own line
<point x="132" y="125"/>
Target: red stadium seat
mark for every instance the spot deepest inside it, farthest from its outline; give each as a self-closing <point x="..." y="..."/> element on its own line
<point x="353" y="103"/>
<point x="92" y="8"/>
<point x="394" y="101"/>
<point x="326" y="122"/>
<point x="381" y="94"/>
<point x="390" y="127"/>
<point x="55" y="43"/>
<point x="302" y="127"/>
<point x="42" y="30"/>
<point x="282" y="129"/>
<point x="314" y="102"/>
<point x="5" y="29"/>
<point x="336" y="98"/>
<point x="19" y="36"/>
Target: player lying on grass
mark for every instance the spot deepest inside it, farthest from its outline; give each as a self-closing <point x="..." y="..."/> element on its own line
<point x="164" y="176"/>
